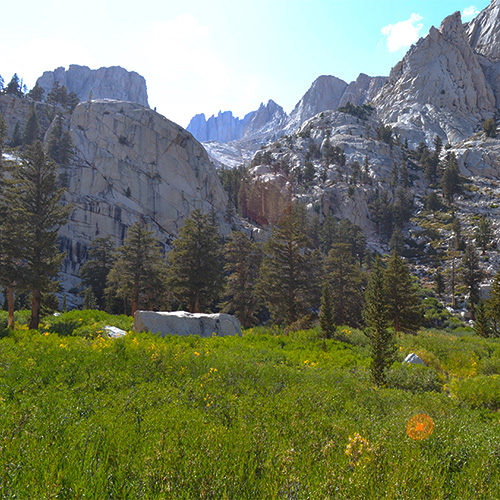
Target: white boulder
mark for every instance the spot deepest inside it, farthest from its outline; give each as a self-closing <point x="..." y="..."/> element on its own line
<point x="184" y="323"/>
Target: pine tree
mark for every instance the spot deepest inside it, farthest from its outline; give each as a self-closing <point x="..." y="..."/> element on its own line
<point x="326" y="314"/>
<point x="14" y="87"/>
<point x="484" y="234"/>
<point x="32" y="129"/>
<point x="17" y="139"/>
<point x="482" y="325"/>
<point x="95" y="271"/>
<point x="195" y="264"/>
<point x="89" y="300"/>
<point x="59" y="143"/>
<point x="242" y="268"/>
<point x="287" y="283"/>
<point x="377" y="318"/>
<point x="471" y="276"/>
<point x="402" y="297"/>
<point x="451" y="181"/>
<point x="36" y="93"/>
<point x="138" y="272"/>
<point x="492" y="306"/>
<point x="37" y="215"/>
<point x="346" y="281"/>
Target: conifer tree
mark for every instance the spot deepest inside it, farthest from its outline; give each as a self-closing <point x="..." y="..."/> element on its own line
<point x="59" y="143"/>
<point x="484" y="234"/>
<point x="17" y="139"/>
<point x="492" y="306"/>
<point x="326" y="314"/>
<point x="376" y="315"/>
<point x="402" y="297"/>
<point x="138" y="271"/>
<point x="195" y="264"/>
<point x="35" y="216"/>
<point x="36" y="93"/>
<point x="242" y="268"/>
<point x="482" y="325"/>
<point x="346" y="281"/>
<point x="471" y="276"/>
<point x="14" y="87"/>
<point x="288" y="282"/>
<point x="95" y="271"/>
<point x="451" y="181"/>
<point x="32" y="129"/>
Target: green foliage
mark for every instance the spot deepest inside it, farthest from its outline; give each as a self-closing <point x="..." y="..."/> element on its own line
<point x="59" y="143"/>
<point x="451" y="181"/>
<point x="362" y="112"/>
<point x="484" y="234"/>
<point x="326" y="314"/>
<point x="413" y="377"/>
<point x="195" y="264"/>
<point x="471" y="275"/>
<point x="36" y="93"/>
<point x="138" y="271"/>
<point x="480" y="391"/>
<point x="94" y="273"/>
<point x="490" y="127"/>
<point x="242" y="268"/>
<point x="384" y="133"/>
<point x="32" y="129"/>
<point x="288" y="280"/>
<point x="14" y="87"/>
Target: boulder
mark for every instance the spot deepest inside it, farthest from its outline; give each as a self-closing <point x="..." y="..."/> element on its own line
<point x="184" y="323"/>
<point x="413" y="359"/>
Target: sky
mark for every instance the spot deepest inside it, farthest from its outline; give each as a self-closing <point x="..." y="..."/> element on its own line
<point x="200" y="56"/>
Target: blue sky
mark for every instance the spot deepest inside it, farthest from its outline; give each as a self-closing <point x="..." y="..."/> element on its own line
<point x="202" y="56"/>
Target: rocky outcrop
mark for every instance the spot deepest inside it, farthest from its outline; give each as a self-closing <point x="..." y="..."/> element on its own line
<point x="103" y="83"/>
<point x="184" y="323"/>
<point x="266" y="121"/>
<point x="324" y="94"/>
<point x="362" y="90"/>
<point x="221" y="128"/>
<point x="131" y="163"/>
<point x="438" y="88"/>
<point x="484" y="32"/>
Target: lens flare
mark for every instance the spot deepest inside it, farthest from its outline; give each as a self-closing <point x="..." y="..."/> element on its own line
<point x="420" y="427"/>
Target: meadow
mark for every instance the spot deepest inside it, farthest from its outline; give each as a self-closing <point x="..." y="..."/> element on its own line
<point x="262" y="416"/>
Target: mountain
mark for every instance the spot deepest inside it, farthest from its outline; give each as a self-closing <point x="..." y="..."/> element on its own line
<point x="222" y="128"/>
<point x="104" y="83"/>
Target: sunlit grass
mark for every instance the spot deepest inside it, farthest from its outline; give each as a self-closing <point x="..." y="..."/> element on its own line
<point x="262" y="416"/>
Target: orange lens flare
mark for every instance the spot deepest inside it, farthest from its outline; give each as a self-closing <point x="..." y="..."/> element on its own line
<point x="420" y="427"/>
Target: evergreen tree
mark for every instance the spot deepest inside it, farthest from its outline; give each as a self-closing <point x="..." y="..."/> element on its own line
<point x="34" y="202"/>
<point x="287" y="283"/>
<point x="72" y="101"/>
<point x="346" y="281"/>
<point x="32" y="130"/>
<point x="471" y="276"/>
<point x="14" y="87"/>
<point x="451" y="182"/>
<point x="59" y="143"/>
<point x="89" y="300"/>
<point x="482" y="325"/>
<point x="439" y="283"/>
<point x="95" y="271"/>
<point x="17" y="138"/>
<point x="484" y="234"/>
<point x="376" y="315"/>
<point x="402" y="297"/>
<point x="397" y="241"/>
<point x="242" y="268"/>
<point x="195" y="263"/>
<point x="36" y="93"/>
<point x="326" y="314"/>
<point x="432" y="202"/>
<point x="328" y="234"/>
<point x="138" y="272"/>
<point x="490" y="128"/>
<point x="492" y="307"/>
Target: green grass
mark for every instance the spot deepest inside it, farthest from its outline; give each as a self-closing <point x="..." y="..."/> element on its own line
<point x="262" y="416"/>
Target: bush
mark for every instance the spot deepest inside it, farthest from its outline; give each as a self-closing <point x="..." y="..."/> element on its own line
<point x="481" y="391"/>
<point x="414" y="378"/>
<point x="490" y="128"/>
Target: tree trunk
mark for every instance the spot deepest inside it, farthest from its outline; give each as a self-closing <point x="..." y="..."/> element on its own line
<point x="10" y="301"/>
<point x="134" y="303"/>
<point x="35" y="309"/>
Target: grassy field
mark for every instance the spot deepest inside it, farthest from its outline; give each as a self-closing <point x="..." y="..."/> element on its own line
<point x="263" y="416"/>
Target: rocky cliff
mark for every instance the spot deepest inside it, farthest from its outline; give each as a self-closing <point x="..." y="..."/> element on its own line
<point x="221" y="128"/>
<point x="104" y="83"/>
<point x="438" y="88"/>
<point x="132" y="164"/>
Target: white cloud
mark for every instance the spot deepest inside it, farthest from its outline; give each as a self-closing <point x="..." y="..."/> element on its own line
<point x="401" y="35"/>
<point x="469" y="13"/>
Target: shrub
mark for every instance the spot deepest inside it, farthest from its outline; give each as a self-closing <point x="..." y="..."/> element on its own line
<point x="414" y="378"/>
<point x="481" y="391"/>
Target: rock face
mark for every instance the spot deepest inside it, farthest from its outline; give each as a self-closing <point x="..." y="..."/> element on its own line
<point x="267" y="120"/>
<point x="184" y="323"/>
<point x="363" y="90"/>
<point x="104" y="83"/>
<point x="133" y="164"/>
<point x="438" y="88"/>
<point x="484" y="34"/>
<point x="324" y="94"/>
<point x="221" y="128"/>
